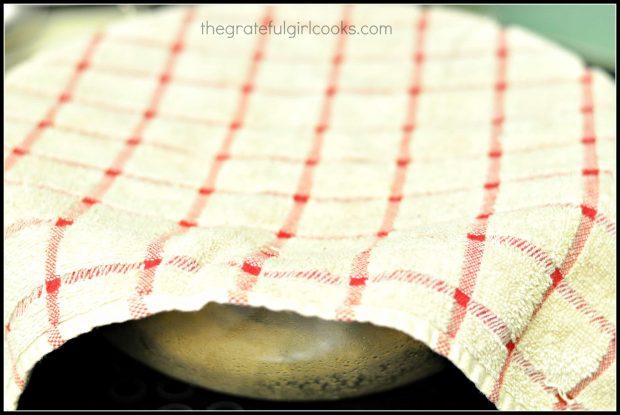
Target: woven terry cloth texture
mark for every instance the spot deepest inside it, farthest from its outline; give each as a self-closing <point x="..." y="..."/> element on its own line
<point x="454" y="180"/>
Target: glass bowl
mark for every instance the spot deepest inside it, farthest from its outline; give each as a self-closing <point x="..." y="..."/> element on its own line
<point x="277" y="355"/>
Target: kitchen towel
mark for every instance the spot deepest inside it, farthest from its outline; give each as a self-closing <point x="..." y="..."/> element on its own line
<point x="432" y="172"/>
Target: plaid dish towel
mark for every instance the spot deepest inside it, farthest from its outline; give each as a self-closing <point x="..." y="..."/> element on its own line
<point x="453" y="179"/>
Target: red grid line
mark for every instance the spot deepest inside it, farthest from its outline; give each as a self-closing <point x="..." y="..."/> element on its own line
<point x="573" y="298"/>
<point x="359" y="267"/>
<point x="491" y="320"/>
<point x="83" y="132"/>
<point x="609" y="226"/>
<point x="155" y="249"/>
<point x="606" y="222"/>
<point x="223" y="153"/>
<point x="100" y="271"/>
<point x="307" y="91"/>
<point x="605" y="363"/>
<point x="542" y="257"/>
<point x="539" y="378"/>
<point x="486" y="316"/>
<point x="563" y="402"/>
<point x="19" y="381"/>
<point x="64" y="97"/>
<point x="557" y="279"/>
<point x="474" y="250"/>
<point x="17" y="226"/>
<point x="323" y="277"/>
<point x="586" y="173"/>
<point x="580" y="304"/>
<point x="498" y="327"/>
<point x="534" y="374"/>
<point x="436" y="284"/>
<point x="198" y="48"/>
<point x="115" y="107"/>
<point x="192" y="265"/>
<point x="591" y="193"/>
<point x="185" y="263"/>
<point x="182" y="262"/>
<point x="253" y="264"/>
<point x="342" y="199"/>
<point x="22" y="305"/>
<point x="52" y="281"/>
<point x="98" y="135"/>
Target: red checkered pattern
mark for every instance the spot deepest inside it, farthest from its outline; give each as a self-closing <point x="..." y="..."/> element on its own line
<point x="454" y="180"/>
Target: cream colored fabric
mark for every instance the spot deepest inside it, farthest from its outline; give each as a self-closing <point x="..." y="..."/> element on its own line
<point x="506" y="177"/>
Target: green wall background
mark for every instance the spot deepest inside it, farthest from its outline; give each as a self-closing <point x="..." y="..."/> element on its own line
<point x="588" y="29"/>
